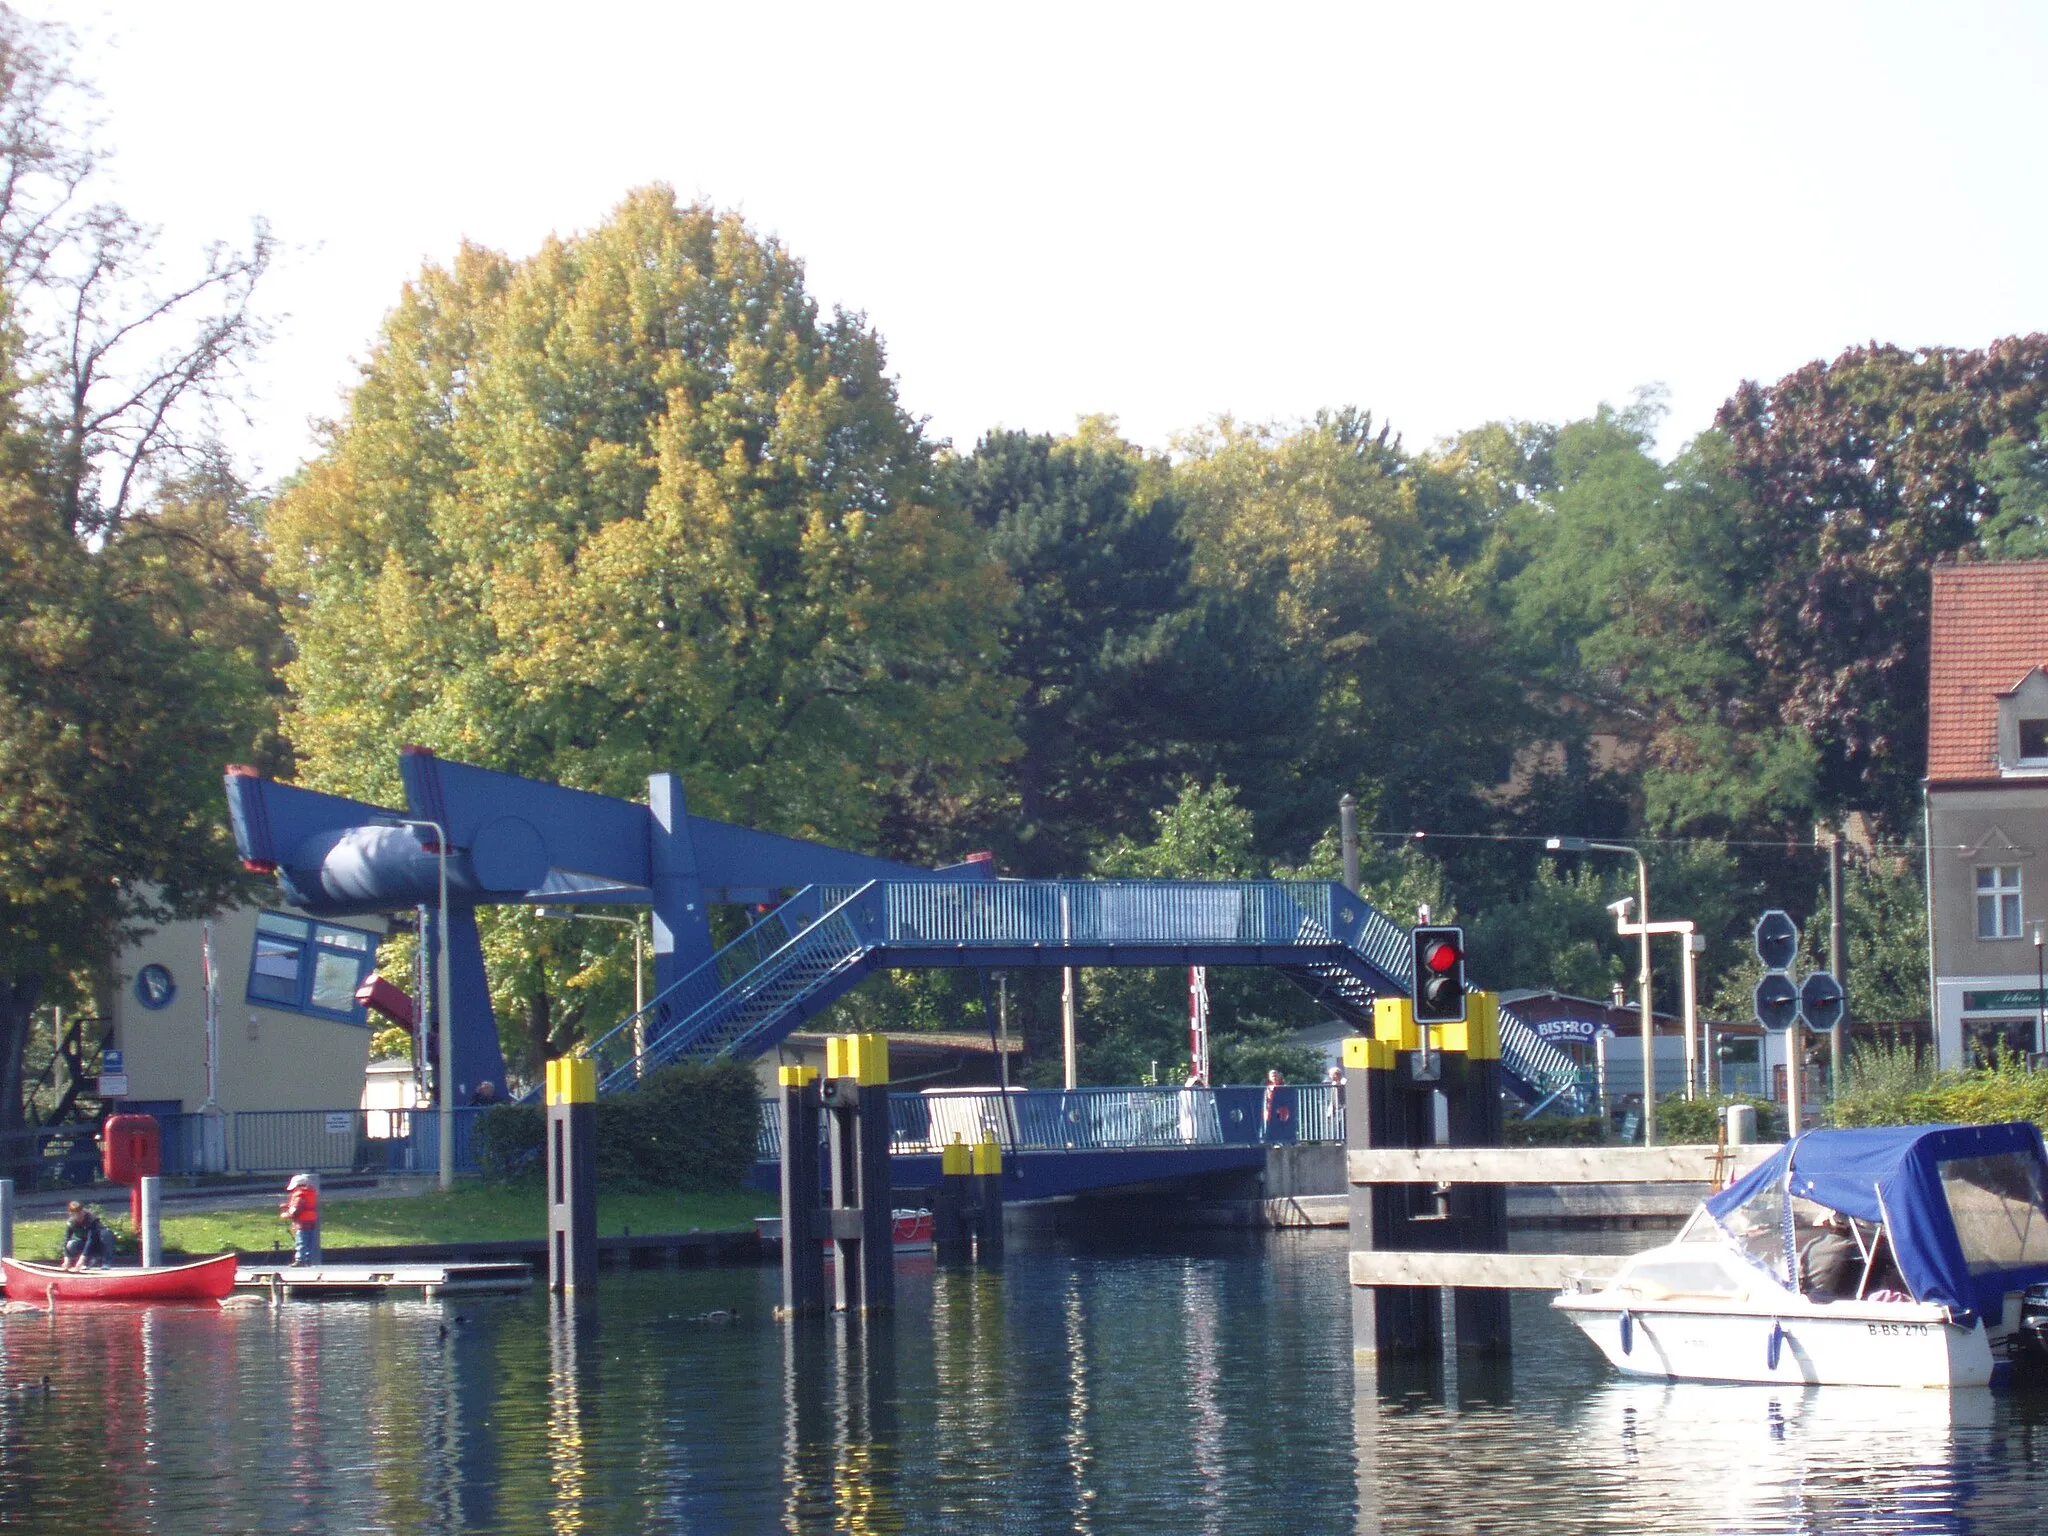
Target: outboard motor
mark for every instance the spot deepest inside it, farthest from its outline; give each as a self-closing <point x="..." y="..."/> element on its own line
<point x="2030" y="1339"/>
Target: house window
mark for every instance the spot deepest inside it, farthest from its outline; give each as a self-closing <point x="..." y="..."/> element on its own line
<point x="2034" y="741"/>
<point x="1998" y="901"/>
<point x="309" y="967"/>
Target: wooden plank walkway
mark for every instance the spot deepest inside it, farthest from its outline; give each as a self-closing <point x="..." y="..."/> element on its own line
<point x="1506" y="1271"/>
<point x="382" y="1279"/>
<point x="1552" y="1165"/>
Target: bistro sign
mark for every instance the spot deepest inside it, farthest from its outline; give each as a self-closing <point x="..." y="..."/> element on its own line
<point x="1580" y="1030"/>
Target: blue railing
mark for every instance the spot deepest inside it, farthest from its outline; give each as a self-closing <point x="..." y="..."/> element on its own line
<point x="1096" y="1119"/>
<point x="1100" y="913"/>
<point x="769" y="966"/>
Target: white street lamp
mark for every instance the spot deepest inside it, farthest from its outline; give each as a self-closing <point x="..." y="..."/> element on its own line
<point x="1586" y="845"/>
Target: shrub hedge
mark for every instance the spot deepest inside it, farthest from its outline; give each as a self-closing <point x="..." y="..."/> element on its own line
<point x="2004" y="1090"/>
<point x="687" y="1127"/>
<point x="1678" y="1120"/>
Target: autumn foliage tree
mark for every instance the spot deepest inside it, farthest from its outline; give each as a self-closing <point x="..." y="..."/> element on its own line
<point x="1862" y="473"/>
<point x="631" y="504"/>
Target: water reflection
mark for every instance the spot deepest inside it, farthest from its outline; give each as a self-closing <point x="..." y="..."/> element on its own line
<point x="1209" y="1389"/>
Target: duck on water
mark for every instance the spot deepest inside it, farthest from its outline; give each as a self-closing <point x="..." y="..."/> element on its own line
<point x="1910" y="1256"/>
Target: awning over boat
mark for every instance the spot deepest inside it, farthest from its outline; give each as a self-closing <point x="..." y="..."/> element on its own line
<point x="1966" y="1205"/>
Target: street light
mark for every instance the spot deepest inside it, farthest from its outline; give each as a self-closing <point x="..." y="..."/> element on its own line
<point x="1586" y="845"/>
<point x="2040" y="995"/>
<point x="560" y="914"/>
<point x="444" y="1030"/>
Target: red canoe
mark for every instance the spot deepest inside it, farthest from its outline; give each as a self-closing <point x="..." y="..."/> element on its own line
<point x="204" y="1280"/>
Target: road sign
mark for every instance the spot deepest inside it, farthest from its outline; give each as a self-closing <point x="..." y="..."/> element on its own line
<point x="1777" y="940"/>
<point x="1777" y="1001"/>
<point x="1820" y="1001"/>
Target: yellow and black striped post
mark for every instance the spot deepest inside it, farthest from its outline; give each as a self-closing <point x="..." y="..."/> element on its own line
<point x="1479" y="1212"/>
<point x="572" y="1173"/>
<point x="952" y="1241"/>
<point x="988" y="1181"/>
<point x="856" y="1098"/>
<point x="803" y="1254"/>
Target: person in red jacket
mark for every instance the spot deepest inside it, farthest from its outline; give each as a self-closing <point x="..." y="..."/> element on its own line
<point x="302" y="1209"/>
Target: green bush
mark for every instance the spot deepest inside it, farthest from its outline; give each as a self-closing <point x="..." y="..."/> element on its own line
<point x="1556" y="1131"/>
<point x="690" y="1126"/>
<point x="507" y="1140"/>
<point x="1681" y="1120"/>
<point x="687" y="1127"/>
<point x="1896" y="1086"/>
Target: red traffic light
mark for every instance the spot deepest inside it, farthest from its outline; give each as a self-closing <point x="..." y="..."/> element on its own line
<point x="1437" y="984"/>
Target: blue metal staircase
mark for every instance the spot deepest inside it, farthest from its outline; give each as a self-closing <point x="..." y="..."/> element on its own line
<point x="819" y="944"/>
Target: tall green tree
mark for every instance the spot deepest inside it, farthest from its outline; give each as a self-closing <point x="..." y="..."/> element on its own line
<point x="136" y="633"/>
<point x="633" y="503"/>
<point x="1862" y="473"/>
<point x="1634" y="600"/>
<point x="1125" y="680"/>
<point x="1358" y="566"/>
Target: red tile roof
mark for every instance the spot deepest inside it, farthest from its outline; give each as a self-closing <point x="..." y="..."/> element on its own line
<point x="1988" y="629"/>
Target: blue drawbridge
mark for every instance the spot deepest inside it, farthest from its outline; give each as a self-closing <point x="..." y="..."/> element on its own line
<point x="470" y="837"/>
<point x="823" y="941"/>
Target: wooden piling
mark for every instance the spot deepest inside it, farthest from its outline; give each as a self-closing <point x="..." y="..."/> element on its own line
<point x="803" y="1253"/>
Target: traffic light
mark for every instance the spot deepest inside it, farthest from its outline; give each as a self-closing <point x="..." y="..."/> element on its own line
<point x="1439" y="975"/>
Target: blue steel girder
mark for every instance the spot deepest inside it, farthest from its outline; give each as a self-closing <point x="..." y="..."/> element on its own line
<point x="511" y="839"/>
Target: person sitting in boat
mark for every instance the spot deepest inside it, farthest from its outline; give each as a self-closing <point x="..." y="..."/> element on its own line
<point x="302" y="1209"/>
<point x="1831" y="1264"/>
<point x="88" y="1244"/>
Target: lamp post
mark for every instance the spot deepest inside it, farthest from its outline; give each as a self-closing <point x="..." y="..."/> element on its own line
<point x="2040" y="995"/>
<point x="444" y="1029"/>
<point x="1586" y="845"/>
<point x="561" y="915"/>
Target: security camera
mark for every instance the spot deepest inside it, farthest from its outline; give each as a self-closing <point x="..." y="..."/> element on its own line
<point x="1623" y="907"/>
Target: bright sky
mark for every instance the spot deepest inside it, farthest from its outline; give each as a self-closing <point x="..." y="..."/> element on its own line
<point x="1442" y="212"/>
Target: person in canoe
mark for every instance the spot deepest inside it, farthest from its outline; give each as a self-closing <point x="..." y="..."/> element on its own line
<point x="88" y="1244"/>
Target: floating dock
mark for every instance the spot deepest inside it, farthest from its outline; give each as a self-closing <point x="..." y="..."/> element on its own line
<point x="381" y="1279"/>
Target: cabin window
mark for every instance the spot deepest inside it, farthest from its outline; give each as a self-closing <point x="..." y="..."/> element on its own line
<point x="1998" y="901"/>
<point x="2034" y="741"/>
<point x="1999" y="1208"/>
<point x="309" y="967"/>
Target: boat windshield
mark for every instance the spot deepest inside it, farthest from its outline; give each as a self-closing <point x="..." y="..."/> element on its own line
<point x="1757" y="1228"/>
<point x="1999" y="1209"/>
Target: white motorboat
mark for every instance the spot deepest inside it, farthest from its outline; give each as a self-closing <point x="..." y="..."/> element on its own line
<point x="1949" y="1227"/>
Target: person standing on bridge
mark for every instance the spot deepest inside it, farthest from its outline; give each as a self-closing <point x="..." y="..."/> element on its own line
<point x="1277" y="1122"/>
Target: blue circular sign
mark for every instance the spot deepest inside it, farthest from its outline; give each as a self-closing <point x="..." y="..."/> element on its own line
<point x="154" y="986"/>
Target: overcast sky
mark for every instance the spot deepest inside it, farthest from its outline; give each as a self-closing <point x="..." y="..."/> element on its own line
<point x="1444" y="213"/>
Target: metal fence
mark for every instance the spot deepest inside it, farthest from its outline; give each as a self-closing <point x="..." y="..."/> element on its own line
<point x="1097" y="1119"/>
<point x="350" y="1140"/>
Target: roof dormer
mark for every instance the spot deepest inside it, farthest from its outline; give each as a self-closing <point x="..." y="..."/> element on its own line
<point x="2023" y="727"/>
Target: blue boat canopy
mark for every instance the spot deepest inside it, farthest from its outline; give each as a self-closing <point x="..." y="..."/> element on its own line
<point x="1966" y="1205"/>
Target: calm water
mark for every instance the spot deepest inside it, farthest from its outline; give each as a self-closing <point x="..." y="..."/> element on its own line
<point x="1205" y="1389"/>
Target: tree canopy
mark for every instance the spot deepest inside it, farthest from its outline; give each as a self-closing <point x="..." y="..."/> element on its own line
<point x="633" y="504"/>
